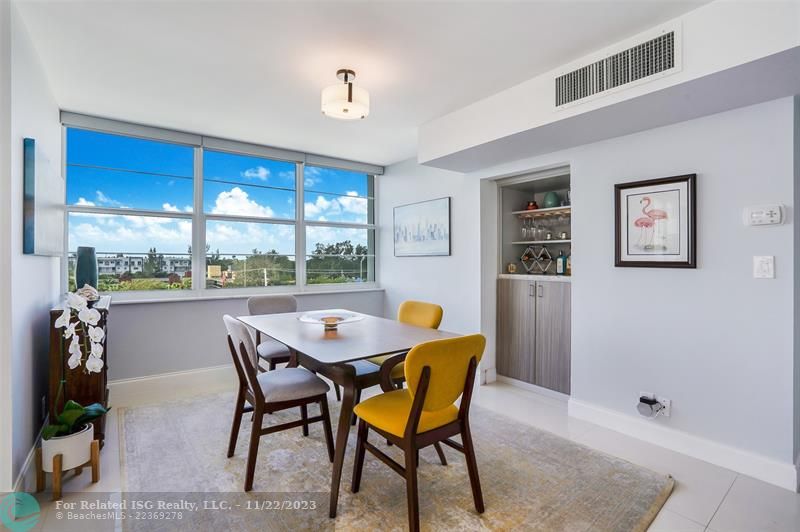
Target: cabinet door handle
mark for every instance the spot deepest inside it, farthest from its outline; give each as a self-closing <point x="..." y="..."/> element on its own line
<point x="530" y="290"/>
<point x="540" y="290"/>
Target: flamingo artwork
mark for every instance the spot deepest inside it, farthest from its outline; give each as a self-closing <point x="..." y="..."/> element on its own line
<point x="645" y="224"/>
<point x="654" y="216"/>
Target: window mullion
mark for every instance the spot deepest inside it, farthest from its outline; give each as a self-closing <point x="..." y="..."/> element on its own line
<point x="198" y="226"/>
<point x="300" y="229"/>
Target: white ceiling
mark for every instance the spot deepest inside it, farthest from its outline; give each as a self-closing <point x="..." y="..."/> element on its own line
<point x="253" y="71"/>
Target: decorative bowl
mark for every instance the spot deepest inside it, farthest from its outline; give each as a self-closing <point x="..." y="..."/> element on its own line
<point x="331" y="319"/>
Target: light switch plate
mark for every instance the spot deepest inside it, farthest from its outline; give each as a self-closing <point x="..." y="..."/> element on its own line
<point x="764" y="267"/>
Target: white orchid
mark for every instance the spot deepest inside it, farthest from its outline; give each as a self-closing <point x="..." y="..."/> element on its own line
<point x="96" y="334"/>
<point x="97" y="349"/>
<point x="75" y="345"/>
<point x="75" y="301"/>
<point x="64" y="319"/>
<point x="94" y="364"/>
<point x="74" y="360"/>
<point x="89" y="315"/>
<point x="69" y="331"/>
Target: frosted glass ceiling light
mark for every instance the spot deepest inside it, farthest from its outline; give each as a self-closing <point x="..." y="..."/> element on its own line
<point x="344" y="101"/>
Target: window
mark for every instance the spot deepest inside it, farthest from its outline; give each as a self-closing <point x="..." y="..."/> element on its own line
<point x="179" y="212"/>
<point x="130" y="199"/>
<point x="340" y="233"/>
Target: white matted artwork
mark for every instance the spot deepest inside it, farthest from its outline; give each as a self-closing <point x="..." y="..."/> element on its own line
<point x="655" y="223"/>
<point x="422" y="229"/>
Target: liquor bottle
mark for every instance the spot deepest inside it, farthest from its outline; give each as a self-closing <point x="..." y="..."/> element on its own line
<point x="569" y="264"/>
<point x="561" y="263"/>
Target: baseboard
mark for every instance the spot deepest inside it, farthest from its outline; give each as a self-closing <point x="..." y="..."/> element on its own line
<point x="784" y="475"/>
<point x="173" y="385"/>
<point x="26" y="480"/>
<point x="533" y="388"/>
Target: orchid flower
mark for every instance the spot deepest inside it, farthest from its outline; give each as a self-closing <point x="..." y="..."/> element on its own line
<point x="89" y="315"/>
<point x="75" y="301"/>
<point x="74" y="360"/>
<point x="75" y="346"/>
<point x="63" y="320"/>
<point x="69" y="332"/>
<point x="96" y="334"/>
<point x="94" y="364"/>
<point x="97" y="349"/>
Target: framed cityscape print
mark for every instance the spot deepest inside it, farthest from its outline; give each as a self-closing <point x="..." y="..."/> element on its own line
<point x="422" y="229"/>
<point x="655" y="223"/>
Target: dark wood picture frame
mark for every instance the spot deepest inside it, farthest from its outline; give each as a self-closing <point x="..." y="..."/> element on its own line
<point x="691" y="231"/>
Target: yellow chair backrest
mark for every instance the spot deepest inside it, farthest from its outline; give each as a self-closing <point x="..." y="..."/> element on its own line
<point x="420" y="314"/>
<point x="449" y="362"/>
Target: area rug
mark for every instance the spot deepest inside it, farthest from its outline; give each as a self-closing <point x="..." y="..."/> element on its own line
<point x="531" y="479"/>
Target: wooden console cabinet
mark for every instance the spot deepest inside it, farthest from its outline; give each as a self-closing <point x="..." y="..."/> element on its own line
<point x="85" y="388"/>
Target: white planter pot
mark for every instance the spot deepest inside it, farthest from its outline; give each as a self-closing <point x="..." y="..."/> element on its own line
<point x="74" y="449"/>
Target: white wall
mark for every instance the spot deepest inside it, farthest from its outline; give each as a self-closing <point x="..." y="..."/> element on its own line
<point x="34" y="280"/>
<point x="6" y="478"/>
<point x="716" y="341"/>
<point x="449" y="281"/>
<point x="152" y="338"/>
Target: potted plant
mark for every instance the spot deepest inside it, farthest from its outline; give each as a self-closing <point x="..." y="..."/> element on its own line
<point x="70" y="435"/>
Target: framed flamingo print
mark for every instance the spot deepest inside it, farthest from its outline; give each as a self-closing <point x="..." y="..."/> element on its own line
<point x="655" y="223"/>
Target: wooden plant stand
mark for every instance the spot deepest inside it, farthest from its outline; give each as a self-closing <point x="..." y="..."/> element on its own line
<point x="94" y="462"/>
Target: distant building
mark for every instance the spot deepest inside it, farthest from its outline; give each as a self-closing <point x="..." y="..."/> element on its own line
<point x="119" y="263"/>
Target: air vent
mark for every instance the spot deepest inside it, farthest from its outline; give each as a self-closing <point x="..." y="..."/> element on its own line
<point x="633" y="64"/>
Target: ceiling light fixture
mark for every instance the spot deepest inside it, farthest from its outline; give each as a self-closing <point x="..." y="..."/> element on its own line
<point x="343" y="100"/>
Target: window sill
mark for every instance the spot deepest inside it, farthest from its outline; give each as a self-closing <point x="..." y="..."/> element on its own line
<point x="132" y="300"/>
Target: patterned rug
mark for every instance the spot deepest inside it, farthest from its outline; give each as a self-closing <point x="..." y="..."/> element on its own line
<point x="531" y="479"/>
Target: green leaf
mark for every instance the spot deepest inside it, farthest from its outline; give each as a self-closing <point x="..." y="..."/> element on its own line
<point x="72" y="411"/>
<point x="51" y="431"/>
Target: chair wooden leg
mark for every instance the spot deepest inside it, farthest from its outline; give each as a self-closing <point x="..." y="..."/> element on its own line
<point x="440" y="452"/>
<point x="338" y="392"/>
<point x="304" y="416"/>
<point x="39" y="470"/>
<point x="57" y="463"/>
<point x="358" y="400"/>
<point x="358" y="463"/>
<point x="237" y="421"/>
<point x="272" y="365"/>
<point x="326" y="425"/>
<point x="255" y="437"/>
<point x="95" y="461"/>
<point x="411" y="488"/>
<point x="472" y="467"/>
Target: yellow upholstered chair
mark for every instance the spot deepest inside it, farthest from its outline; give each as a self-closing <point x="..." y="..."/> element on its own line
<point x="417" y="313"/>
<point x="438" y="373"/>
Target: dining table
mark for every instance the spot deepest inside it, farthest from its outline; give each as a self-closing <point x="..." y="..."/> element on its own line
<point x="330" y="352"/>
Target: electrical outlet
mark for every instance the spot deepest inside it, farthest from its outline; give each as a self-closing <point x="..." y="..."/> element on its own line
<point x="667" y="410"/>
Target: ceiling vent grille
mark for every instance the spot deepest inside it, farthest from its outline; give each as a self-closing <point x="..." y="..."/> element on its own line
<point x="633" y="64"/>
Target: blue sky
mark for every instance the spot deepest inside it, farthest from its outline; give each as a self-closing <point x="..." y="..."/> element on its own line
<point x="121" y="172"/>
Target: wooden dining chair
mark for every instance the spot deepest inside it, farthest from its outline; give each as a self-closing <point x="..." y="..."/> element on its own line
<point x="437" y="373"/>
<point x="272" y="352"/>
<point x="271" y="392"/>
<point x="417" y="313"/>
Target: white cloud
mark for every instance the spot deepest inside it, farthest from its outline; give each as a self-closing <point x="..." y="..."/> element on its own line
<point x="259" y="172"/>
<point x="102" y="199"/>
<point x="338" y="208"/>
<point x="170" y="208"/>
<point x="236" y="201"/>
<point x="86" y="203"/>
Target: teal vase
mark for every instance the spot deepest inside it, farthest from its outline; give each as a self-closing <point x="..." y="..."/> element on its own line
<point x="86" y="268"/>
<point x="551" y="200"/>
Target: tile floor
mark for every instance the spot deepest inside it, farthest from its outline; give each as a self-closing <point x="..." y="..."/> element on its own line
<point x="706" y="497"/>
